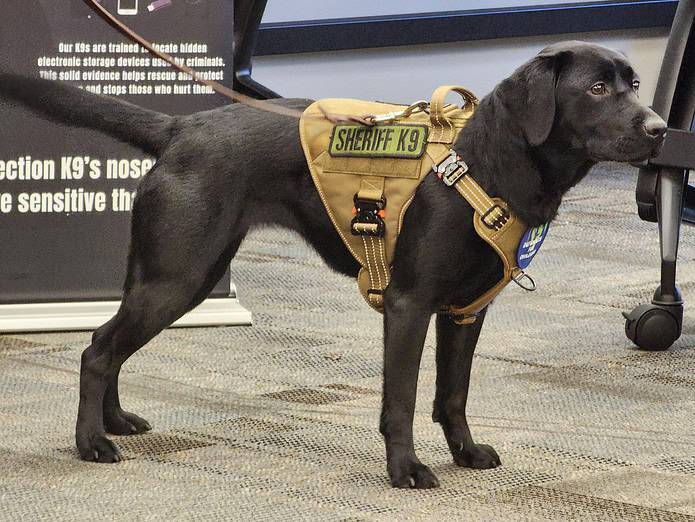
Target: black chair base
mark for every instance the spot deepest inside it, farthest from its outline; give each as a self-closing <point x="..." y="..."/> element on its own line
<point x="663" y="193"/>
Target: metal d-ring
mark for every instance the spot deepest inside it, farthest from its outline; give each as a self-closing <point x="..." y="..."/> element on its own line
<point x="518" y="275"/>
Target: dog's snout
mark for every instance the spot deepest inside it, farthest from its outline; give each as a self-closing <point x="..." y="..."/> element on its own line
<point x="655" y="127"/>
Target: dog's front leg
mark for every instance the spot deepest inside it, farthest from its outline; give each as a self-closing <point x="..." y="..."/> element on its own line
<point x="405" y="328"/>
<point x="455" y="347"/>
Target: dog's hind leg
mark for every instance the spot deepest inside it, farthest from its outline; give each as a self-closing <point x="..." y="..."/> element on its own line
<point x="455" y="347"/>
<point x="180" y="248"/>
<point x="147" y="308"/>
<point x="120" y="422"/>
<point x="144" y="312"/>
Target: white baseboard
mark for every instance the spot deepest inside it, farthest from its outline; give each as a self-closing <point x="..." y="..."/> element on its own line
<point x="52" y="317"/>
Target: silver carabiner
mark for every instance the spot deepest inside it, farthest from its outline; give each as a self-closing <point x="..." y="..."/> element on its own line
<point x="418" y="106"/>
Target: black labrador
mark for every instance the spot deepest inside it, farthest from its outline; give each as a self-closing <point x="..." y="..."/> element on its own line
<point x="221" y="172"/>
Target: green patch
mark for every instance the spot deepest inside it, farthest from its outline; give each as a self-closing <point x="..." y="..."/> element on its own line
<point x="380" y="141"/>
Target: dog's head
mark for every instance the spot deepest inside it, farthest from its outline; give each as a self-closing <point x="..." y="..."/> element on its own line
<point x="584" y="96"/>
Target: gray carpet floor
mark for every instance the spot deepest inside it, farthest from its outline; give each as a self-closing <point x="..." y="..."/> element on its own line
<point x="278" y="421"/>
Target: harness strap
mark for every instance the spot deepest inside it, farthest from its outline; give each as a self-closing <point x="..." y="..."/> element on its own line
<point x="474" y="194"/>
<point x="492" y="215"/>
<point x="372" y="190"/>
<point x="494" y="224"/>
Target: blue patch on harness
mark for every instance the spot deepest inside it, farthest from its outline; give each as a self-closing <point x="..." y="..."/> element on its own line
<point x="530" y="244"/>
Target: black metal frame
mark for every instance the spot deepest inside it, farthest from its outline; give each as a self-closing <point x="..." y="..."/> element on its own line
<point x="456" y="26"/>
<point x="663" y="193"/>
<point x="247" y="19"/>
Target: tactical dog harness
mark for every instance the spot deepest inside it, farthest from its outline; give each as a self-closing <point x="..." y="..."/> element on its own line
<point x="367" y="177"/>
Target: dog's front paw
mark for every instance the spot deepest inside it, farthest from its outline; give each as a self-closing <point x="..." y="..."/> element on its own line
<point x="477" y="456"/>
<point x="120" y="422"/>
<point x="412" y="475"/>
<point x="96" y="447"/>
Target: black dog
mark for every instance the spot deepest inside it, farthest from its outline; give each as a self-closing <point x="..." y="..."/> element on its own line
<point x="535" y="136"/>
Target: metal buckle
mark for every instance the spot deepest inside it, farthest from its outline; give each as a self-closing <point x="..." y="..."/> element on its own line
<point x="454" y="172"/>
<point x="498" y="222"/>
<point x="451" y="169"/>
<point x="367" y="221"/>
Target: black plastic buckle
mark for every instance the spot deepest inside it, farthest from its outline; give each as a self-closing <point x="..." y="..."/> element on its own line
<point x="367" y="221"/>
<point x="499" y="221"/>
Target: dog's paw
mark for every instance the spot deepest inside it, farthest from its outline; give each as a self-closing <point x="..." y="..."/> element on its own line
<point x="413" y="475"/>
<point x="96" y="447"/>
<point x="121" y="422"/>
<point x="478" y="456"/>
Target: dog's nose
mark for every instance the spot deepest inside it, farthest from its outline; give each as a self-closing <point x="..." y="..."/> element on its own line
<point x="655" y="127"/>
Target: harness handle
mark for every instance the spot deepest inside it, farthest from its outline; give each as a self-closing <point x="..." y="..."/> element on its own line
<point x="443" y="129"/>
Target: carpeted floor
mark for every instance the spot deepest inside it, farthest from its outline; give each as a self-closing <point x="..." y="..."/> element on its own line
<point x="279" y="421"/>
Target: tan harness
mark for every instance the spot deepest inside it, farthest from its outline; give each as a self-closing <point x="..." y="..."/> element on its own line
<point x="367" y="177"/>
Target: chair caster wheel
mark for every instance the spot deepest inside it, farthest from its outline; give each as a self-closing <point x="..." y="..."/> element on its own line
<point x="654" y="327"/>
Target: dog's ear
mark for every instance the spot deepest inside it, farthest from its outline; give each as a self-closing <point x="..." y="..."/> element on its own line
<point x="529" y="94"/>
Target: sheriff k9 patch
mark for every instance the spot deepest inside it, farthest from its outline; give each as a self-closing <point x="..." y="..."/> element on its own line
<point x="380" y="141"/>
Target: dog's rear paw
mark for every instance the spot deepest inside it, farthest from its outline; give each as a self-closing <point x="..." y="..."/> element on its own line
<point x="121" y="422"/>
<point x="478" y="456"/>
<point x="413" y="475"/>
<point x="97" y="447"/>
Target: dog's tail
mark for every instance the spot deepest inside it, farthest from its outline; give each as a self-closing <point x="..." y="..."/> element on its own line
<point x="62" y="103"/>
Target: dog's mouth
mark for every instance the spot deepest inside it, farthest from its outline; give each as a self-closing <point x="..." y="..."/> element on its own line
<point x="651" y="152"/>
<point x="629" y="150"/>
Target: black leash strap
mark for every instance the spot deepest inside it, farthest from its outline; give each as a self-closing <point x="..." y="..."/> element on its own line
<point x="216" y="86"/>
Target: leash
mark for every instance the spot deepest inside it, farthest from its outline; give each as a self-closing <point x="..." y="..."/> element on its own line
<point x="215" y="86"/>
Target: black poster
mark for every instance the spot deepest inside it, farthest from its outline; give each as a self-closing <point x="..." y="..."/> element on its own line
<point x="65" y="194"/>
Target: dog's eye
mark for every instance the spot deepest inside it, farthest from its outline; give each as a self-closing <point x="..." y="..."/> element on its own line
<point x="599" y="89"/>
<point x="636" y="84"/>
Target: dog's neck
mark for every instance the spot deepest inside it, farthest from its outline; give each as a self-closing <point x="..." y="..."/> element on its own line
<point x="531" y="180"/>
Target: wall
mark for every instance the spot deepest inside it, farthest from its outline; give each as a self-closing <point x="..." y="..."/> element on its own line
<point x="405" y="74"/>
<point x="285" y="11"/>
